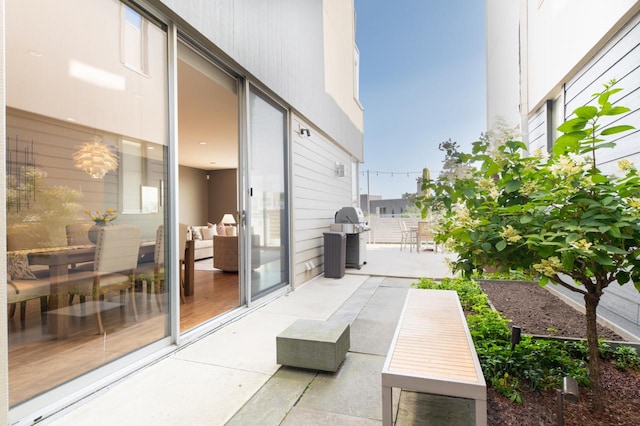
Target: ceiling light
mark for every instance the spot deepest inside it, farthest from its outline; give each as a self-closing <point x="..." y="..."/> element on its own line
<point x="96" y="159"/>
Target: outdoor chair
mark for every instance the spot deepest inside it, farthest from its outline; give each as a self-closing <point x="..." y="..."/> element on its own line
<point x="407" y="236"/>
<point x="425" y="234"/>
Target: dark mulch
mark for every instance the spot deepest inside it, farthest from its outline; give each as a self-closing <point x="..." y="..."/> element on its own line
<point x="537" y="311"/>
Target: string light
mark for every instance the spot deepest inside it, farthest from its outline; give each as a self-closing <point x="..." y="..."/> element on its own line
<point x="378" y="173"/>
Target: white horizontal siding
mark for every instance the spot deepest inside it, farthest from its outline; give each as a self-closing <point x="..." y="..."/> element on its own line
<point x="538" y="130"/>
<point x="317" y="194"/>
<point x="619" y="59"/>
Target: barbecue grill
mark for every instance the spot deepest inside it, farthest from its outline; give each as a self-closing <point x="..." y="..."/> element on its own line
<point x="350" y="220"/>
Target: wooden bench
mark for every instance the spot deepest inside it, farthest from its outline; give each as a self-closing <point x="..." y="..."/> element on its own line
<point x="432" y="352"/>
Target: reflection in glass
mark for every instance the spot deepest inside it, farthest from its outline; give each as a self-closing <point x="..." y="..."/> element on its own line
<point x="84" y="289"/>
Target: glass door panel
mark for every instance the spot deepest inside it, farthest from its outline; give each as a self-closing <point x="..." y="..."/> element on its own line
<point x="268" y="222"/>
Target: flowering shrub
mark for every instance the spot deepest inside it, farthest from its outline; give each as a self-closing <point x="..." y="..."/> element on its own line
<point x="102" y="218"/>
<point x="558" y="216"/>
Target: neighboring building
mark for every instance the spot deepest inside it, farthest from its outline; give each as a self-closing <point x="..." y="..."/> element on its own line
<point x="171" y="113"/>
<point x="365" y="199"/>
<point x="545" y="58"/>
<point x="391" y="207"/>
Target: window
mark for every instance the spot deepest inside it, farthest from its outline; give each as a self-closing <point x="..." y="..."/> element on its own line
<point x="133" y="41"/>
<point x="72" y="109"/>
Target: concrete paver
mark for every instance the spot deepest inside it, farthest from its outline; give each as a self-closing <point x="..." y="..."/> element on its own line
<point x="374" y="328"/>
<point x="271" y="404"/>
<point x="307" y="417"/>
<point x="232" y="376"/>
<point x="355" y="390"/>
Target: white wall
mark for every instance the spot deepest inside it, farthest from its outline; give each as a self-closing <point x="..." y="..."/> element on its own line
<point x="317" y="194"/>
<point x="50" y="40"/>
<point x="503" y="70"/>
<point x="193" y="192"/>
<point x="282" y="43"/>
<point x="562" y="36"/>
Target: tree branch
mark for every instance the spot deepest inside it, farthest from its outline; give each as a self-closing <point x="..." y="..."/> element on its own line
<point x="568" y="286"/>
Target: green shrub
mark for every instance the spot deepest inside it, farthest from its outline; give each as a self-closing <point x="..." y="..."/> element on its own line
<point x="471" y="296"/>
<point x="622" y="356"/>
<point x="533" y="364"/>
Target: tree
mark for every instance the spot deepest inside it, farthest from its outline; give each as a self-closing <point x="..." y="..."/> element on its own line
<point x="558" y="217"/>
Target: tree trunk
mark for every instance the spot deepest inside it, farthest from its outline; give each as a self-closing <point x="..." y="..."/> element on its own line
<point x="591" y="304"/>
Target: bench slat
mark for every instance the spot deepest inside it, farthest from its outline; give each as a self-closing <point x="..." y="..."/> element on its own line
<point x="432" y="352"/>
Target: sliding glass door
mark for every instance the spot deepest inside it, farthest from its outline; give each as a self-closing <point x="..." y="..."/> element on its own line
<point x="267" y="222"/>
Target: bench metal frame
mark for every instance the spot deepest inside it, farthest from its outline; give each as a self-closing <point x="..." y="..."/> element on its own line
<point x="432" y="352"/>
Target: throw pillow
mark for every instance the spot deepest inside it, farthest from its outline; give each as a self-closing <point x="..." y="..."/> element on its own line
<point x="220" y="229"/>
<point x="208" y="233"/>
<point x="196" y="233"/>
<point x="213" y="227"/>
<point x="18" y="266"/>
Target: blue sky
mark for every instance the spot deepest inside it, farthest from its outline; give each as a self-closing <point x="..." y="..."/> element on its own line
<point x="422" y="81"/>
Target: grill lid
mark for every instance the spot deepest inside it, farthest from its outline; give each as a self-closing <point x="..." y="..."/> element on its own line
<point x="352" y="215"/>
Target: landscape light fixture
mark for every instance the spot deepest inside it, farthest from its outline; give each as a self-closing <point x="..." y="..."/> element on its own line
<point x="569" y="392"/>
<point x="303" y="131"/>
<point x="516" y="333"/>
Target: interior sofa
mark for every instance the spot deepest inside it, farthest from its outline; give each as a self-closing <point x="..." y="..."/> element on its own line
<point x="202" y="235"/>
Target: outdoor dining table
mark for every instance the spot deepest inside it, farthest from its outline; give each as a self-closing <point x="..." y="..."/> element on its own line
<point x="58" y="260"/>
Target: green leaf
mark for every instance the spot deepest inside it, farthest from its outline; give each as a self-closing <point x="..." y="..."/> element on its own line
<point x="604" y="259"/>
<point x="512" y="186"/>
<point x="614" y="249"/>
<point x="568" y="262"/>
<point x="568" y="142"/>
<point x="615" y="232"/>
<point x="544" y="281"/>
<point x="606" y="201"/>
<point x="604" y="97"/>
<point x="622" y="277"/>
<point x="586" y="112"/>
<point x="571" y="238"/>
<point x="486" y="246"/>
<point x="617" y="110"/>
<point x="526" y="219"/>
<point x="598" y="178"/>
<point x="501" y="245"/>
<point x="573" y="125"/>
<point x="468" y="192"/>
<point x="616" y="129"/>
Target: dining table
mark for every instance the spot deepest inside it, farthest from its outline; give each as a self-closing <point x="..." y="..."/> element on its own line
<point x="59" y="259"/>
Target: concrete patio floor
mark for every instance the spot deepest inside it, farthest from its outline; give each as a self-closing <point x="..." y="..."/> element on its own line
<point x="231" y="377"/>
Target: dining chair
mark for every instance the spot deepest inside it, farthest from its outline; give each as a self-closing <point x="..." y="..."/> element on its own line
<point x="425" y="234"/>
<point x="115" y="263"/>
<point x="154" y="276"/>
<point x="183" y="231"/>
<point x="78" y="235"/>
<point x="21" y="291"/>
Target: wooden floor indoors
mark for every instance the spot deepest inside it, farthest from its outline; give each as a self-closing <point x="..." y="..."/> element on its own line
<point x="39" y="361"/>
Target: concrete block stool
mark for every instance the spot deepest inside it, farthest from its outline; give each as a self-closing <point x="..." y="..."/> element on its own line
<point x="312" y="344"/>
